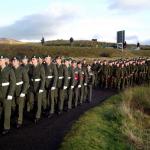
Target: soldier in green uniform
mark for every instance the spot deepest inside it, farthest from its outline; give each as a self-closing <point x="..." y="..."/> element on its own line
<point x="123" y="76"/>
<point x="25" y="63"/>
<point x="95" y="69"/>
<point x="84" y="83"/>
<point x="81" y="85"/>
<point x="77" y="83"/>
<point x="90" y="82"/>
<point x="22" y="84"/>
<point x="99" y="73"/>
<point x="71" y="82"/>
<point x="148" y="71"/>
<point x="7" y="88"/>
<point x="51" y="75"/>
<point x="62" y="83"/>
<point x="37" y="84"/>
<point x="105" y="74"/>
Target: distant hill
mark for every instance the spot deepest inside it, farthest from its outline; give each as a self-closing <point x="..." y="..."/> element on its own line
<point x="8" y="41"/>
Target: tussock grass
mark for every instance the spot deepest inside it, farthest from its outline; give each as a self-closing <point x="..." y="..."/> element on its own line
<point x="120" y="123"/>
<point x="30" y="49"/>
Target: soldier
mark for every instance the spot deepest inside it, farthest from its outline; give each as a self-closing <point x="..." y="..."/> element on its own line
<point x="50" y="84"/>
<point x="82" y="83"/>
<point x="8" y="62"/>
<point x="22" y="84"/>
<point x="40" y="60"/>
<point x="90" y="82"/>
<point x="99" y="73"/>
<point x="123" y="76"/>
<point x="110" y="72"/>
<point x="77" y="82"/>
<point x="25" y="63"/>
<point x="62" y="83"/>
<point x="7" y="87"/>
<point x="84" y="64"/>
<point x="105" y="74"/>
<point x="95" y="69"/>
<point x="37" y="83"/>
<point x="148" y="71"/>
<point x="71" y="82"/>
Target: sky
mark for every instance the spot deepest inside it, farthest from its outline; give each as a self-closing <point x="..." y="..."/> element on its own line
<point x="29" y="20"/>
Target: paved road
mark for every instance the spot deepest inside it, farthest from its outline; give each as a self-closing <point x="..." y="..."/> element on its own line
<point x="49" y="133"/>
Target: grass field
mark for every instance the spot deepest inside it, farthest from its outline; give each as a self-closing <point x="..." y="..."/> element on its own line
<point x="120" y="123"/>
<point x="87" y="52"/>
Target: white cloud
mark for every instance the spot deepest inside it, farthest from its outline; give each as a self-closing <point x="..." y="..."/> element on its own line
<point x="34" y="26"/>
<point x="129" y="5"/>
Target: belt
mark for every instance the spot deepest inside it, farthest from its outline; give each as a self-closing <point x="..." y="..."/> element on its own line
<point x="5" y="84"/>
<point x="19" y="83"/>
<point x="60" y="77"/>
<point x="49" y="77"/>
<point x="35" y="80"/>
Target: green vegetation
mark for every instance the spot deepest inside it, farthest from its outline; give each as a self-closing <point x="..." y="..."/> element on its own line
<point x="120" y="123"/>
<point x="79" y="49"/>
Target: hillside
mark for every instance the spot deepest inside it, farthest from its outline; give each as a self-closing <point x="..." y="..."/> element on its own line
<point x="8" y="41"/>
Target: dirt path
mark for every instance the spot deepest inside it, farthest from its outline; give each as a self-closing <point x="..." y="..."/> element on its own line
<point x="49" y="133"/>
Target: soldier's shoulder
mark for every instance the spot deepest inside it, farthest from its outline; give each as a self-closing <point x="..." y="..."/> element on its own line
<point x="9" y="67"/>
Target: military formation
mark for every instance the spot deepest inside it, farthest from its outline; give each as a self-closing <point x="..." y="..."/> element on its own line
<point x="121" y="73"/>
<point x="45" y="86"/>
<point x="42" y="86"/>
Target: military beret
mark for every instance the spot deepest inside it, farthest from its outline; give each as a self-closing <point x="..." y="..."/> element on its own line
<point x="47" y="56"/>
<point x="24" y="57"/>
<point x="57" y="57"/>
<point x="2" y="57"/>
<point x="34" y="57"/>
<point x="66" y="58"/>
<point x="70" y="59"/>
<point x="15" y="58"/>
<point x="79" y="62"/>
<point x="73" y="61"/>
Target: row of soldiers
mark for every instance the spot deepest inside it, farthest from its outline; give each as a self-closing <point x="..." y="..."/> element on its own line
<point x="120" y="74"/>
<point x="42" y="85"/>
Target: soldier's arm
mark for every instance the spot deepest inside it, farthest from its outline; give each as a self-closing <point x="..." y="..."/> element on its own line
<point x="12" y="82"/>
<point x="86" y="76"/>
<point x="25" y="79"/>
<point x="55" y="75"/>
<point x="80" y="78"/>
<point x="65" y="76"/>
<point x="93" y="79"/>
<point x="72" y="78"/>
<point x="42" y="72"/>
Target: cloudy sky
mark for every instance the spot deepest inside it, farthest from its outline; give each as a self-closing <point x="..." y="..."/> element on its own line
<point x="28" y="20"/>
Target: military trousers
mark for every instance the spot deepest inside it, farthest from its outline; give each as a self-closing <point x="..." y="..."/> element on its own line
<point x="5" y="106"/>
<point x="89" y="88"/>
<point x="20" y="101"/>
<point x="61" y="98"/>
<point x="85" y="93"/>
<point x="51" y="100"/>
<point x="69" y="97"/>
<point x="81" y="94"/>
<point x="75" y="96"/>
<point x="36" y="97"/>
